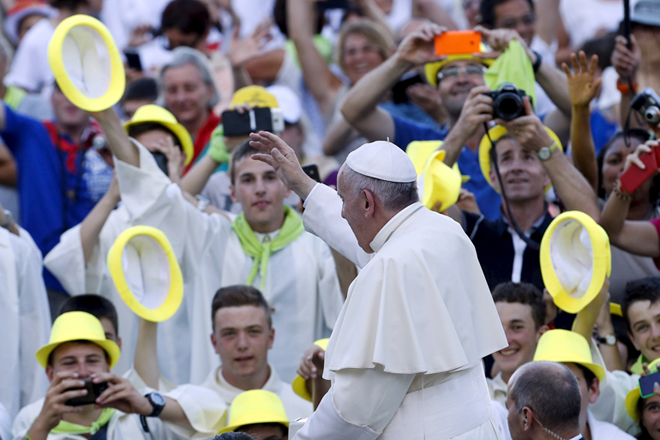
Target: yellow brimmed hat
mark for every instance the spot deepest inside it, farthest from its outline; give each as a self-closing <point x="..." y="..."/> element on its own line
<point x="495" y="134"/>
<point x="159" y="115"/>
<point x="615" y="309"/>
<point x="566" y="346"/>
<point x="146" y="273"/>
<point x="77" y="326"/>
<point x="86" y="63"/>
<point x="254" y="96"/>
<point x="255" y="407"/>
<point x="441" y="183"/>
<point x="575" y="260"/>
<point x="298" y="383"/>
<point x="632" y="399"/>
<point x="432" y="69"/>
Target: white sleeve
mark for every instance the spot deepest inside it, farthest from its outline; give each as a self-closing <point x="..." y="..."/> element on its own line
<point x="329" y="289"/>
<point x="26" y="71"/>
<point x="5" y="423"/>
<point x="322" y="217"/>
<point x="66" y="262"/>
<point x="205" y="410"/>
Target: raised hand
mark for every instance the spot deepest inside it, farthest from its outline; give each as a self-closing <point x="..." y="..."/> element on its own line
<point x="626" y="61"/>
<point x="242" y="50"/>
<point x="582" y="83"/>
<point x="418" y="47"/>
<point x="528" y="130"/>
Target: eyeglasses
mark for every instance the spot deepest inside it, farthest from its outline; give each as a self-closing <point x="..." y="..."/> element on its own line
<point x="453" y="72"/>
<point x="512" y="23"/>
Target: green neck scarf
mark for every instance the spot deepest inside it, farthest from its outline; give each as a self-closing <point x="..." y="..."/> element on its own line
<point x="73" y="428"/>
<point x="261" y="252"/>
<point x="637" y="367"/>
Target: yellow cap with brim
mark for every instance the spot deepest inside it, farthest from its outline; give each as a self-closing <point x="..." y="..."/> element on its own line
<point x="431" y="69"/>
<point x="495" y="134"/>
<point x="441" y="183"/>
<point x="615" y="309"/>
<point x="565" y="346"/>
<point x="575" y="260"/>
<point x="255" y="407"/>
<point x="419" y="153"/>
<point x="146" y="273"/>
<point x="298" y="383"/>
<point x="86" y="63"/>
<point x="632" y="399"/>
<point x="159" y="115"/>
<point x="254" y="96"/>
<point x="77" y="326"/>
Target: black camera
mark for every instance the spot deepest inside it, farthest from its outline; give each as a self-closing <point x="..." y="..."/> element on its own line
<point x="647" y="104"/>
<point x="94" y="390"/>
<point x="507" y="102"/>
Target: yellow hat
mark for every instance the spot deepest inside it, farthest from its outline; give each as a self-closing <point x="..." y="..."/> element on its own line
<point x="77" y="326"/>
<point x="615" y="309"/>
<point x="421" y="151"/>
<point x="255" y="96"/>
<point x="86" y="63"/>
<point x="566" y="346"/>
<point x="432" y="69"/>
<point x="632" y="399"/>
<point x="575" y="260"/>
<point x="159" y="115"/>
<point x="298" y="383"/>
<point x="255" y="407"/>
<point x="146" y="273"/>
<point x="441" y="183"/>
<point x="495" y="134"/>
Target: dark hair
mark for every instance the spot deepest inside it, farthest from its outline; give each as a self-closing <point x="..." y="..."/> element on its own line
<point x="487" y="11"/>
<point x="68" y="4"/>
<point x="550" y="390"/>
<point x="242" y="151"/>
<point x="280" y="18"/>
<point x="93" y="304"/>
<point x="142" y="89"/>
<point x="523" y="293"/>
<point x="589" y="375"/>
<point x="285" y="430"/>
<point x="188" y="16"/>
<point x="233" y="436"/>
<point x="139" y="129"/>
<point x="635" y="133"/>
<point x="643" y="289"/>
<point x="237" y="296"/>
<point x="644" y="435"/>
<point x="602" y="46"/>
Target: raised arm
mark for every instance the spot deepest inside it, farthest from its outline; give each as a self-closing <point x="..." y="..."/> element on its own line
<point x="360" y="107"/>
<point x="91" y="226"/>
<point x="118" y="141"/>
<point x="145" y="362"/>
<point x="583" y="87"/>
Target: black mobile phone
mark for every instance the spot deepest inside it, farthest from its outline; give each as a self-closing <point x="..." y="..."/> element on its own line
<point x="332" y="4"/>
<point x="133" y="59"/>
<point x="161" y="160"/>
<point x="399" y="94"/>
<point x="312" y="171"/>
<point x="260" y="118"/>
<point x="94" y="390"/>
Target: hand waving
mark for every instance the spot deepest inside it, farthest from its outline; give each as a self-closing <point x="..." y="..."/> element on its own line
<point x="582" y="84"/>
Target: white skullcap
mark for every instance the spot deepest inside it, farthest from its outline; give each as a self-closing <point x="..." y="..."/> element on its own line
<point x="382" y="160"/>
<point x="288" y="102"/>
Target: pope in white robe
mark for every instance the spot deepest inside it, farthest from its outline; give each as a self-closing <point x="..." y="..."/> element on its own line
<point x="405" y="355"/>
<point x="24" y="320"/>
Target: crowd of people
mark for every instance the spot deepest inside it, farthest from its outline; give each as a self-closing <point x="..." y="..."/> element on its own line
<point x="326" y="293"/>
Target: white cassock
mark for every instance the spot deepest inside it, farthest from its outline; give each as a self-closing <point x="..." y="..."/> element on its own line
<point x="295" y="406"/>
<point x="24" y="321"/>
<point x="205" y="411"/>
<point x="301" y="281"/>
<point x="67" y="262"/>
<point x="405" y="355"/>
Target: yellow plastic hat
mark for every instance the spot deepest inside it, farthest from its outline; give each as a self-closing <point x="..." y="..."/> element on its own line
<point x="566" y="346"/>
<point x="632" y="399"/>
<point x="86" y="63"/>
<point x="255" y="96"/>
<point x="421" y="151"/>
<point x="615" y="309"/>
<point x="146" y="273"/>
<point x="298" y="383"/>
<point x="575" y="260"/>
<point x="255" y="407"/>
<point x="495" y="134"/>
<point x="441" y="183"/>
<point x="432" y="69"/>
<point x="159" y="115"/>
<point x="77" y="326"/>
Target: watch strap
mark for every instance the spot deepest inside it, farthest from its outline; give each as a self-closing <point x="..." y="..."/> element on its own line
<point x="158" y="407"/>
<point x="537" y="63"/>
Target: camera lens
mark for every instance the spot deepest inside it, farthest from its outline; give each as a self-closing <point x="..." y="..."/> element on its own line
<point x="508" y="106"/>
<point x="652" y="115"/>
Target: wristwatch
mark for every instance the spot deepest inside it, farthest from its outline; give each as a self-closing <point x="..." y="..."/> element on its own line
<point x="202" y="203"/>
<point x="608" y="340"/>
<point x="546" y="152"/>
<point x="158" y="403"/>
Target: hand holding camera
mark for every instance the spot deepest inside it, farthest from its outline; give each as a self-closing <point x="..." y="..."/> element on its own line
<point x="526" y="128"/>
<point x="640" y="165"/>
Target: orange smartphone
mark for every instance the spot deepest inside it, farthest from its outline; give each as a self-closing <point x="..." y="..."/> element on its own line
<point x="457" y="43"/>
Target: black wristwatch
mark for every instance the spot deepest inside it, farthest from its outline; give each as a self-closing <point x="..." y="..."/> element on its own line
<point x="537" y="63"/>
<point x="607" y="340"/>
<point x="158" y="403"/>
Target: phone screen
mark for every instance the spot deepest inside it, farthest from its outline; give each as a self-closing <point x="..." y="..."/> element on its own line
<point x="646" y="384"/>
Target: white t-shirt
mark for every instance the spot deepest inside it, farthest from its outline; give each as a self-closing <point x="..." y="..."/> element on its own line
<point x="30" y="69"/>
<point x="583" y="19"/>
<point x="122" y="16"/>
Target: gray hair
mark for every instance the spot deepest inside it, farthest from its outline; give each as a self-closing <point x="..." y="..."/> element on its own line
<point x="393" y="195"/>
<point x="186" y="55"/>
<point x="550" y="390"/>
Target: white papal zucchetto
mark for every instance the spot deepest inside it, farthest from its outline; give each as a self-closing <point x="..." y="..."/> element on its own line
<point x="382" y="160"/>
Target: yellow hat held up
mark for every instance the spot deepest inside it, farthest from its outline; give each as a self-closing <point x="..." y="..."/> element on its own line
<point x="254" y="96"/>
<point x="575" y="260"/>
<point x="632" y="399"/>
<point x="298" y="383"/>
<point x="146" y="273"/>
<point x="255" y="407"/>
<point x="77" y="326"/>
<point x="565" y="346"/>
<point x="86" y="63"/>
<point x="159" y="115"/>
<point x="431" y="69"/>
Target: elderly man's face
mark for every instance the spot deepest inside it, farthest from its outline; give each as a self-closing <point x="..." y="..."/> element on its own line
<point x="187" y="96"/>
